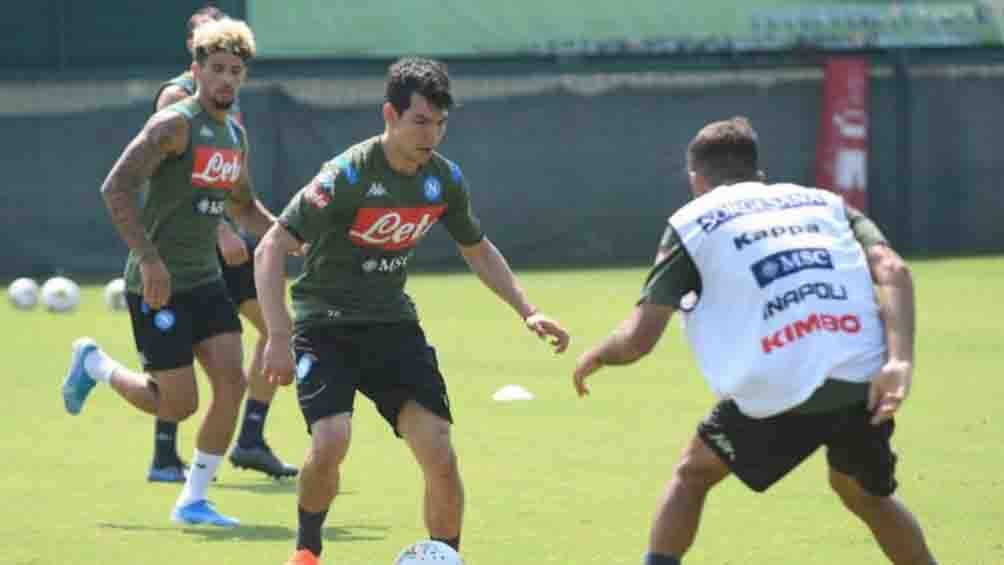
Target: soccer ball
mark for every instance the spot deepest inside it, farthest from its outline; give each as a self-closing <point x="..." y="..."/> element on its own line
<point x="115" y="294"/>
<point x="23" y="293"/>
<point x="428" y="551"/>
<point x="60" y="294"/>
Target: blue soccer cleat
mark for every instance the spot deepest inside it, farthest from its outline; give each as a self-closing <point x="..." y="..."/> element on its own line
<point x="202" y="512"/>
<point x="78" y="384"/>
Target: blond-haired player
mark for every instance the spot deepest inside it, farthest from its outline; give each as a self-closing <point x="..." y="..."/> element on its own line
<point x="194" y="156"/>
<point x="236" y="256"/>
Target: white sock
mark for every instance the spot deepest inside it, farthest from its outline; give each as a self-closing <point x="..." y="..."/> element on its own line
<point x="100" y="366"/>
<point x="200" y="474"/>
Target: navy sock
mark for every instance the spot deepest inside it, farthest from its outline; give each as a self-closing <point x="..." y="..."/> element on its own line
<point x="659" y="559"/>
<point x="308" y="533"/>
<point x="253" y="425"/>
<point x="165" y="448"/>
<point x="452" y="542"/>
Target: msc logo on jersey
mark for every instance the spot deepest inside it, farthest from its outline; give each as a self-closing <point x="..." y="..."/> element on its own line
<point x="786" y="263"/>
<point x="207" y="206"/>
<point x="433" y="189"/>
<point x="216" y="168"/>
<point x="386" y="265"/>
<point x="393" y="228"/>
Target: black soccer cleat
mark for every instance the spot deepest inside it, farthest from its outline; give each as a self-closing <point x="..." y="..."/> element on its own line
<point x="260" y="458"/>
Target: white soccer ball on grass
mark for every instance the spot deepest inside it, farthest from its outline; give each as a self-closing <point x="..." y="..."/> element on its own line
<point x="60" y="294"/>
<point x="23" y="293"/>
<point x="115" y="297"/>
<point x="428" y="551"/>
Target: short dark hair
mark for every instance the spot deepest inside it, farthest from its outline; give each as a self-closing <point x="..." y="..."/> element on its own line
<point x="725" y="151"/>
<point x="424" y="76"/>
<point x="207" y="11"/>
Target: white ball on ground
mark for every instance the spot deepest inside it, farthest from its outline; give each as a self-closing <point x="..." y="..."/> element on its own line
<point x="60" y="294"/>
<point x="428" y="551"/>
<point x="115" y="297"/>
<point x="23" y="293"/>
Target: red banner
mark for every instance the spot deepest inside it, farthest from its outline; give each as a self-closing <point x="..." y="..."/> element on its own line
<point x="842" y="148"/>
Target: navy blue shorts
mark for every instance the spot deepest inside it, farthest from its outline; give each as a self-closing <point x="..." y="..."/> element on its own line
<point x="240" y="278"/>
<point x="389" y="363"/>
<point x="165" y="338"/>
<point x="762" y="451"/>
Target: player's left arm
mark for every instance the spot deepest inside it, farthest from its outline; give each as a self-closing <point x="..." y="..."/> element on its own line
<point x="673" y="278"/>
<point x="633" y="339"/>
<point x="243" y="204"/>
<point x="491" y="267"/>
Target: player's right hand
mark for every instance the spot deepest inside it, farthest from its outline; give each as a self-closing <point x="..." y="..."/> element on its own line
<point x="156" y="283"/>
<point x="277" y="360"/>
<point x="889" y="388"/>
<point x="587" y="364"/>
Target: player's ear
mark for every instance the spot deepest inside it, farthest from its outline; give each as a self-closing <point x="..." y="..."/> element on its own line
<point x="696" y="182"/>
<point x="390" y="115"/>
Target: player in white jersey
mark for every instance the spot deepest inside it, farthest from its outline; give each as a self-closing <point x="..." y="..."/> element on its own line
<point x="801" y="317"/>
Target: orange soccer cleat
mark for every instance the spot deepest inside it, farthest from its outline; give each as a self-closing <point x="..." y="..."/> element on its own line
<point x="303" y="557"/>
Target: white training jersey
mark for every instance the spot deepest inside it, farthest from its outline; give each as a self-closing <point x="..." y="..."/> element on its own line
<point x="787" y="297"/>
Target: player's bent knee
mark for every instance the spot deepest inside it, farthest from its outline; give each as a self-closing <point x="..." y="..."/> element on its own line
<point x="235" y="383"/>
<point x="178" y="409"/>
<point x="700" y="468"/>
<point x="852" y="494"/>
<point x="330" y="440"/>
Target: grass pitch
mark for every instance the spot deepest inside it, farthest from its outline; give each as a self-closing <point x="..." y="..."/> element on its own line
<point x="556" y="480"/>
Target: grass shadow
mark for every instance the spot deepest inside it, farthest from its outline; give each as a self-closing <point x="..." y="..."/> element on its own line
<point x="274" y="487"/>
<point x="260" y="532"/>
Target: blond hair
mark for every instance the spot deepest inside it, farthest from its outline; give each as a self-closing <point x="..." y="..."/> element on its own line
<point x="227" y="35"/>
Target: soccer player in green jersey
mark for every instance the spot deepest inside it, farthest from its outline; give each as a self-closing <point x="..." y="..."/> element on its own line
<point x="194" y="157"/>
<point x="355" y="327"/>
<point x="235" y="256"/>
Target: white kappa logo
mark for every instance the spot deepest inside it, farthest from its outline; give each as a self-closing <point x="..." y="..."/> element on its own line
<point x="376" y="190"/>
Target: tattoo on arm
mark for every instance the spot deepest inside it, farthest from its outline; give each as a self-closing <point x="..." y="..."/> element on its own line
<point x="162" y="136"/>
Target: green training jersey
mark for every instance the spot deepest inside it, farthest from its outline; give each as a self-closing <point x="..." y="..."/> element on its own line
<point x="363" y="220"/>
<point x="186" y="196"/>
<point x="186" y="82"/>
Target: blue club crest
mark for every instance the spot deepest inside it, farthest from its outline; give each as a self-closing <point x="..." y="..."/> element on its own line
<point x="433" y="189"/>
<point x="303" y="367"/>
<point x="164" y="320"/>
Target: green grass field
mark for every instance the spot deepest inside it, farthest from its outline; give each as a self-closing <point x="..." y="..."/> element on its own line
<point x="556" y="480"/>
